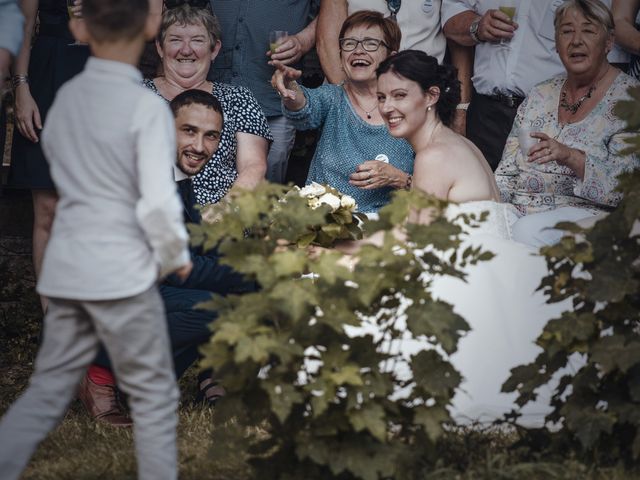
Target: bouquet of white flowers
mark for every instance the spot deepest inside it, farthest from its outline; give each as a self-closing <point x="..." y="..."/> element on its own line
<point x="343" y="221"/>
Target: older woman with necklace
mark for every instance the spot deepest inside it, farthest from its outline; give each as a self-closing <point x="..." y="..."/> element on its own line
<point x="570" y="172"/>
<point x="355" y="153"/>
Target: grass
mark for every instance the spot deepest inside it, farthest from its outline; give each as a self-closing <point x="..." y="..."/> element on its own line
<point x="81" y="449"/>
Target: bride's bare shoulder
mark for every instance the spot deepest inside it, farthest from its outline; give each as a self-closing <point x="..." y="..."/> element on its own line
<point x="449" y="149"/>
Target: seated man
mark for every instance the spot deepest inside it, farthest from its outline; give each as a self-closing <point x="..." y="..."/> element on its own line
<point x="198" y="119"/>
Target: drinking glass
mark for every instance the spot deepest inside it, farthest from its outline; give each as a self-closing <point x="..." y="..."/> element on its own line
<point x="276" y="37"/>
<point x="70" y="5"/>
<point x="526" y="141"/>
<point x="509" y="8"/>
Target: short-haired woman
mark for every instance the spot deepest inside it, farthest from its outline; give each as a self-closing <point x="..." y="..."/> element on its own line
<point x="355" y="152"/>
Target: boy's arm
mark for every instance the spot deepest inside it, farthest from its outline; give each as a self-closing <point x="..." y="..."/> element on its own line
<point x="159" y="209"/>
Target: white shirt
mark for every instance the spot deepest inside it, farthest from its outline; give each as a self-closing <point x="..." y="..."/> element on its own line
<point x="419" y="22"/>
<point x="529" y="58"/>
<point x="118" y="226"/>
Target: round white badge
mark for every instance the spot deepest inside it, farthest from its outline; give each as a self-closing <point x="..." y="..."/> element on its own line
<point x="382" y="158"/>
<point x="427" y="6"/>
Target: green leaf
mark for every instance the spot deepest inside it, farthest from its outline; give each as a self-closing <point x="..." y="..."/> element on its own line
<point x="437" y="319"/>
<point x="256" y="349"/>
<point x="616" y="352"/>
<point x="431" y="419"/>
<point x="589" y="425"/>
<point x="287" y="263"/>
<point x="434" y="375"/>
<point x="347" y="375"/>
<point x="282" y="396"/>
<point x="371" y="417"/>
<point x="294" y="297"/>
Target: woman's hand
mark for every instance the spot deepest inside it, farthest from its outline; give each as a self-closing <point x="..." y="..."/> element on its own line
<point x="284" y="80"/>
<point x="374" y="174"/>
<point x="550" y="150"/>
<point x="27" y="114"/>
<point x="288" y="52"/>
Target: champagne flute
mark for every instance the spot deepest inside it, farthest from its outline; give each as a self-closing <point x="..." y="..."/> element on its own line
<point x="70" y="5"/>
<point x="276" y="37"/>
<point x="509" y="8"/>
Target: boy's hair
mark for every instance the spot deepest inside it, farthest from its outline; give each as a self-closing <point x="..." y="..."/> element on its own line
<point x="113" y="20"/>
<point x="197" y="97"/>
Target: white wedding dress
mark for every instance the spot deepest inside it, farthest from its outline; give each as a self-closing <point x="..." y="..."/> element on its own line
<point x="505" y="313"/>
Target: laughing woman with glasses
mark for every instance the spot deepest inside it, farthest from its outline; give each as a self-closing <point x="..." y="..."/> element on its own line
<point x="355" y="153"/>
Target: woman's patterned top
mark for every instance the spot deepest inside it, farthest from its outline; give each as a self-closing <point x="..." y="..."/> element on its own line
<point x="242" y="114"/>
<point x="534" y="187"/>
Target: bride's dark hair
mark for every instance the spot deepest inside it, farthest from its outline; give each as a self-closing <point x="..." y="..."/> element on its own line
<point x="423" y="69"/>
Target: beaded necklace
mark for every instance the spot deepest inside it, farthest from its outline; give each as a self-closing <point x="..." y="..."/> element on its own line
<point x="574" y="107"/>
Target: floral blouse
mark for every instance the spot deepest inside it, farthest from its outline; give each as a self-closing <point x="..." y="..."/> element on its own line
<point x="533" y="187"/>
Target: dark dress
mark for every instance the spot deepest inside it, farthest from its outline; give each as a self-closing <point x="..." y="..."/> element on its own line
<point x="53" y="61"/>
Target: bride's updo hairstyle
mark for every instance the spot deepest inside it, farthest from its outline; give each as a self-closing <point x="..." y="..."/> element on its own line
<point x="423" y="69"/>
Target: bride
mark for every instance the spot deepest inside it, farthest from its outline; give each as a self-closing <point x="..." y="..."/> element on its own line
<point x="417" y="99"/>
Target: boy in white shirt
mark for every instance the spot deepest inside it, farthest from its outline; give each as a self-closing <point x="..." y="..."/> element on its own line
<point x="118" y="228"/>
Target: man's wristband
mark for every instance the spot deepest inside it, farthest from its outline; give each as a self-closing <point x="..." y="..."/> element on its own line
<point x="18" y="80"/>
<point x="463" y="106"/>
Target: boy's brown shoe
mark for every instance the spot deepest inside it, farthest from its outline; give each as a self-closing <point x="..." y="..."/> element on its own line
<point x="103" y="403"/>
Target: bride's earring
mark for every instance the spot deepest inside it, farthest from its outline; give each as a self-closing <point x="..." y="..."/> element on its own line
<point x="429" y="108"/>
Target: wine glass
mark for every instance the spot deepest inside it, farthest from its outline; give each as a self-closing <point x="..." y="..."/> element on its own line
<point x="509" y="8"/>
<point x="70" y="5"/>
<point x="276" y="37"/>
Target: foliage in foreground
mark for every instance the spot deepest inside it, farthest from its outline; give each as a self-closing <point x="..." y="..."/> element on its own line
<point x="599" y="269"/>
<point x="330" y="399"/>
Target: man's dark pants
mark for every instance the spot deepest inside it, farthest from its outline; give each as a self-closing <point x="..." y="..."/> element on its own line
<point x="489" y="122"/>
<point x="188" y="327"/>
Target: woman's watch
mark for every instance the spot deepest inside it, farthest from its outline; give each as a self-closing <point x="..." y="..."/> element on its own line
<point x="473" y="30"/>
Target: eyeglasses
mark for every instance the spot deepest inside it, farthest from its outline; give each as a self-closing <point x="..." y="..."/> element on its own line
<point x="194" y="3"/>
<point x="369" y="44"/>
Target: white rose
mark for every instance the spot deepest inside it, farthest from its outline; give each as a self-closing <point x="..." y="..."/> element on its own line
<point x="313" y="203"/>
<point x="313" y="190"/>
<point x="331" y="200"/>
<point x="348" y="202"/>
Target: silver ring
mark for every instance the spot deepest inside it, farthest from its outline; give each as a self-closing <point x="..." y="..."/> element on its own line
<point x="548" y="151"/>
<point x="370" y="181"/>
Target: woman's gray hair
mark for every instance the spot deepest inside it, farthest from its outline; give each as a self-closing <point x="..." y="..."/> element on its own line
<point x="187" y="15"/>
<point x="594" y="10"/>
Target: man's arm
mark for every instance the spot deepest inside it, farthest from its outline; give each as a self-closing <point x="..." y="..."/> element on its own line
<point x="493" y="26"/>
<point x="332" y="15"/>
<point x="462" y="59"/>
<point x="295" y="46"/>
<point x="251" y="160"/>
<point x="624" y="15"/>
